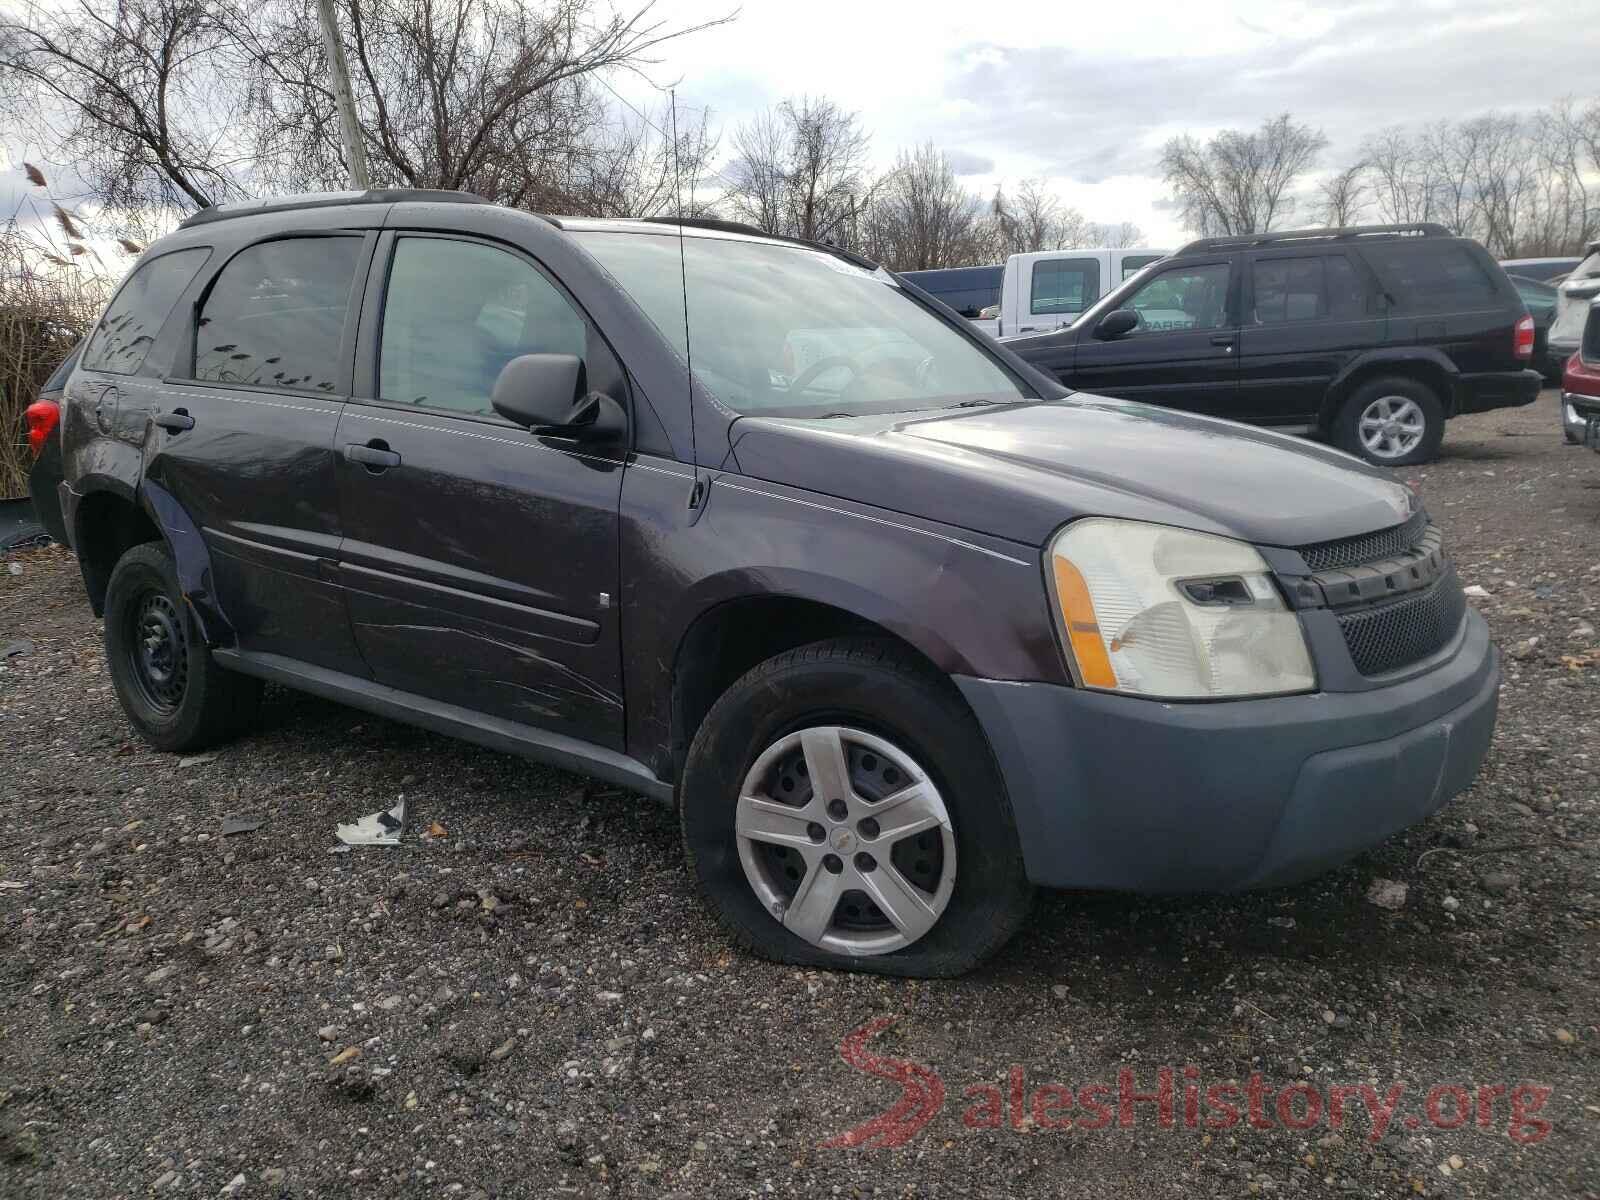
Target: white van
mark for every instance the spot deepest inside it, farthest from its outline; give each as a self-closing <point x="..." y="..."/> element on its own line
<point x="1047" y="289"/>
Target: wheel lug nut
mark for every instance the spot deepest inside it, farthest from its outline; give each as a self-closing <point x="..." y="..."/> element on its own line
<point x="833" y="863"/>
<point x="816" y="832"/>
<point x="865" y="862"/>
<point x="868" y="827"/>
<point x="838" y="809"/>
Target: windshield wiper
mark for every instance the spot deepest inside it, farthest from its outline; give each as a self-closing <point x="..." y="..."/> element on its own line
<point x="972" y="404"/>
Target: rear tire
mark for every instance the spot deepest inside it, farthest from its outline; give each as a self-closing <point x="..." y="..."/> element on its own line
<point x="173" y="691"/>
<point x="906" y="742"/>
<point x="1394" y="421"/>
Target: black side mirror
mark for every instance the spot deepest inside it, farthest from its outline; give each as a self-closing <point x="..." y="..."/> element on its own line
<point x="549" y="394"/>
<point x="1117" y="323"/>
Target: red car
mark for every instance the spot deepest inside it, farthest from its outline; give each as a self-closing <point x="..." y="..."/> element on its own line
<point x="1580" y="385"/>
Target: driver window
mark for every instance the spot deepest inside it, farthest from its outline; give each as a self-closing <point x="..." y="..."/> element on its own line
<point x="1182" y="298"/>
<point x="455" y="313"/>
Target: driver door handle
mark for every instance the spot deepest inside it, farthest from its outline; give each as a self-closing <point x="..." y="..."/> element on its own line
<point x="1222" y="339"/>
<point x="375" y="455"/>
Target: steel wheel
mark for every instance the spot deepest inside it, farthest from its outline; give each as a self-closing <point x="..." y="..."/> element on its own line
<point x="1391" y="426"/>
<point x="158" y="650"/>
<point x="846" y="841"/>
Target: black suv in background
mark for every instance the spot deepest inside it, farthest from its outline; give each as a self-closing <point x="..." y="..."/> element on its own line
<point x="900" y="627"/>
<point x="1372" y="336"/>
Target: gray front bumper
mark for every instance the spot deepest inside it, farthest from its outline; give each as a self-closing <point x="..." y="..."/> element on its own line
<point x="1117" y="792"/>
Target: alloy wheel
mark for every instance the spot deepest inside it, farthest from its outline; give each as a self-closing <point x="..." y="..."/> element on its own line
<point x="846" y="841"/>
<point x="1391" y="426"/>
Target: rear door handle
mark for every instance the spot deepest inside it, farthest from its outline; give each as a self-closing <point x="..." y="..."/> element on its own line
<point x="375" y="455"/>
<point x="176" y="421"/>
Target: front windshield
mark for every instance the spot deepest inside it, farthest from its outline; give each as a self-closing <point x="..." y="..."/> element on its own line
<point x="789" y="331"/>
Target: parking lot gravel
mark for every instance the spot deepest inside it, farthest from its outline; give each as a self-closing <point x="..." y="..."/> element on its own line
<point x="524" y="998"/>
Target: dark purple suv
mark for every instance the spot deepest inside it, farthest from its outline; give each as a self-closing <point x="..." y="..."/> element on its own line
<point x="750" y="527"/>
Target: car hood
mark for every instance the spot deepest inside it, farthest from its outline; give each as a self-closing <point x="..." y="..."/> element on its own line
<point x="1019" y="471"/>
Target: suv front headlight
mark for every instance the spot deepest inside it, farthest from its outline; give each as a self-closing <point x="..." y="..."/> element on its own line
<point x="1151" y="610"/>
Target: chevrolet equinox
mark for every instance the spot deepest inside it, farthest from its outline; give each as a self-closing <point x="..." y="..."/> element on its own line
<point x="900" y="625"/>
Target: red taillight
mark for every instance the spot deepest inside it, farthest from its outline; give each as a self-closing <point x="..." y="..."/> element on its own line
<point x="43" y="417"/>
<point x="1523" y="342"/>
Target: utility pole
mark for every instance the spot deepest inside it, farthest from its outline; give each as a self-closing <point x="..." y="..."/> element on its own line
<point x="355" y="151"/>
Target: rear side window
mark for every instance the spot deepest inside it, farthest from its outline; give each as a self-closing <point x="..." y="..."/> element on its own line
<point x="1425" y="276"/>
<point x="1306" y="289"/>
<point x="1064" y="285"/>
<point x="58" y="378"/>
<point x="1288" y="289"/>
<point x="275" y="316"/>
<point x="141" y="307"/>
<point x="455" y="313"/>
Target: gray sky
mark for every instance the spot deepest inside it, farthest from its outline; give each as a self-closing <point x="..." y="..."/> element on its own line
<point x="1086" y="93"/>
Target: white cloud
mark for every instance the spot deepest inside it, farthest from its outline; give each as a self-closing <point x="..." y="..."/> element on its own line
<point x="1086" y="94"/>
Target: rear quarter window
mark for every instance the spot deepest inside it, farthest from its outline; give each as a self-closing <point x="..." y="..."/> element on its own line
<point x="1425" y="276"/>
<point x="134" y="318"/>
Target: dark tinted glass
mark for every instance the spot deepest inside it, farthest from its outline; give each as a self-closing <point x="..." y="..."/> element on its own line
<point x="1065" y="285"/>
<point x="1347" y="290"/>
<point x="1288" y="289"/>
<point x="455" y="313"/>
<point x="276" y="314"/>
<point x="965" y="289"/>
<point x="58" y="378"/>
<point x="135" y="317"/>
<point x="1431" y="276"/>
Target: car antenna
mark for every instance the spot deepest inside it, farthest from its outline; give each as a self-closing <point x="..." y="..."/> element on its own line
<point x="696" y="492"/>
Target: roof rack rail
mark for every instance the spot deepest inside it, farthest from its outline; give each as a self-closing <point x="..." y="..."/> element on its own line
<point x="1346" y="233"/>
<point x="717" y="225"/>
<point x="250" y="208"/>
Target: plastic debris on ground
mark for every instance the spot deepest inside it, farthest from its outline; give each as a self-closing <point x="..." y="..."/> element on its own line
<point x="382" y="828"/>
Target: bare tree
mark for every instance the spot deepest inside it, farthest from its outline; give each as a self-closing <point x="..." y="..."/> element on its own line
<point x="1239" y="182"/>
<point x="491" y="96"/>
<point x="1120" y="236"/>
<point x="631" y="167"/>
<point x="1343" y="196"/>
<point x="141" y="96"/>
<point x="1035" y="220"/>
<point x="801" y="170"/>
<point x="922" y="217"/>
<point x="1401" y="185"/>
<point x="1522" y="185"/>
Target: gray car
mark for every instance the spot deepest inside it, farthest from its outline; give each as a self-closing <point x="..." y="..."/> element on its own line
<point x="899" y="626"/>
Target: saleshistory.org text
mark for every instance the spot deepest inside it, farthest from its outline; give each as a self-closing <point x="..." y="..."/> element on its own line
<point x="1178" y="1097"/>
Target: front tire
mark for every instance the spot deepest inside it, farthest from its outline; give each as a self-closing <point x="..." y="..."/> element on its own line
<point x="1391" y="422"/>
<point x="840" y="808"/>
<point x="170" y="687"/>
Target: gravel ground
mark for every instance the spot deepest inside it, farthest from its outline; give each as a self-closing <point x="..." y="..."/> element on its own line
<point x="525" y="999"/>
